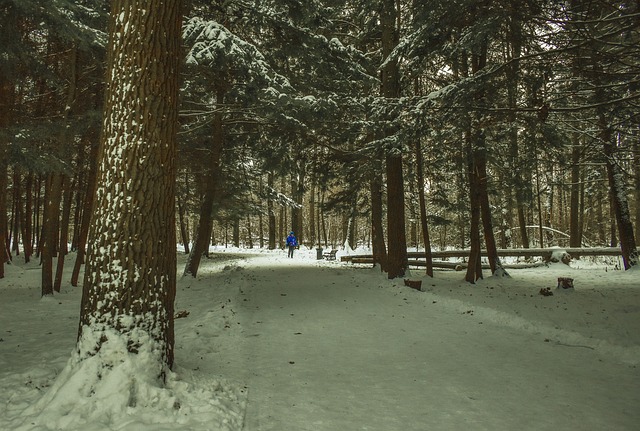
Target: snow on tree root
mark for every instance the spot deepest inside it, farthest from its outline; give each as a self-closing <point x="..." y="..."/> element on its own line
<point x="113" y="388"/>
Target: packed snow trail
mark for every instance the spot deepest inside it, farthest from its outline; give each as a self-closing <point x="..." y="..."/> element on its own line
<point x="323" y="347"/>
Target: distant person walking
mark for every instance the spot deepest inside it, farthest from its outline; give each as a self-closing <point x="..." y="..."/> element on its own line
<point x="292" y="243"/>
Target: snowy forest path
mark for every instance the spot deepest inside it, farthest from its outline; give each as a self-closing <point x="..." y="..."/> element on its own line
<point x="322" y="347"/>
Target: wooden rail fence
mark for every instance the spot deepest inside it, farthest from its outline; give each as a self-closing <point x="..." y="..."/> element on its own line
<point x="417" y="258"/>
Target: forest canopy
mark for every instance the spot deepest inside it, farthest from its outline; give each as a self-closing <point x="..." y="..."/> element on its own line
<point x="384" y="124"/>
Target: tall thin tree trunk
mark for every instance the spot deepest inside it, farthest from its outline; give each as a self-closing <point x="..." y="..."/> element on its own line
<point x="324" y="224"/>
<point x="6" y="105"/>
<point x="540" y="217"/>
<point x="619" y="202"/>
<point x="397" y="262"/>
<point x="184" y="235"/>
<point x="50" y="237"/>
<point x="575" y="233"/>
<point x="17" y="212"/>
<point x="377" y="233"/>
<point x="271" y="214"/>
<point x="485" y="209"/>
<point x="423" y="210"/>
<point x="637" y="181"/>
<point x="312" y="212"/>
<point x="87" y="212"/>
<point x="28" y="222"/>
<point x="260" y="217"/>
<point x="64" y="234"/>
<point x="200" y="245"/>
<point x="79" y="179"/>
<point x="474" y="267"/>
<point x="3" y="208"/>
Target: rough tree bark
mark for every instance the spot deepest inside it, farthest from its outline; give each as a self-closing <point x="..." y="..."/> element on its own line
<point x="130" y="274"/>
<point x="397" y="261"/>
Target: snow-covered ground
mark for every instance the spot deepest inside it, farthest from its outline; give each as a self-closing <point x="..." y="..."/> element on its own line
<point x="271" y="343"/>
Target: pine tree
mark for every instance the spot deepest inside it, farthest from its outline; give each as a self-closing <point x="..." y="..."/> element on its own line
<point x="129" y="285"/>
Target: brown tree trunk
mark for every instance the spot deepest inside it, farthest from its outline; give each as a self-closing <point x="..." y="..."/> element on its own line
<point x="271" y="214"/>
<point x="236" y="232"/>
<point x="49" y="238"/>
<point x="6" y="105"/>
<point x="377" y="234"/>
<point x="183" y="226"/>
<point x="80" y="181"/>
<point x="297" y="193"/>
<point x="575" y="233"/>
<point x="474" y="267"/>
<point x="312" y="212"/>
<point x="249" y="243"/>
<point x="87" y="213"/>
<point x="513" y="77"/>
<point x="423" y="210"/>
<point x="3" y="207"/>
<point x="324" y="224"/>
<point x="619" y="203"/>
<point x="64" y="235"/>
<point x="17" y="212"/>
<point x="637" y="182"/>
<point x="27" y="234"/>
<point x="37" y="228"/>
<point x="130" y="276"/>
<point x="397" y="261"/>
<point x="205" y="221"/>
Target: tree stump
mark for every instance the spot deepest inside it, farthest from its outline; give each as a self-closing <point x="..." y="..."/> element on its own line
<point x="565" y="283"/>
<point x="414" y="284"/>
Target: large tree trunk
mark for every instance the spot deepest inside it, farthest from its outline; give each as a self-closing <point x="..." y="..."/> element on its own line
<point x="130" y="276"/>
<point x="397" y="262"/>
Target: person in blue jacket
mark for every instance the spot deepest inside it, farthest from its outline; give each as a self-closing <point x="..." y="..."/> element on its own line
<point x="292" y="243"/>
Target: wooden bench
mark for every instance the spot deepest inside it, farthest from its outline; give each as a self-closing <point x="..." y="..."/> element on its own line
<point x="330" y="255"/>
